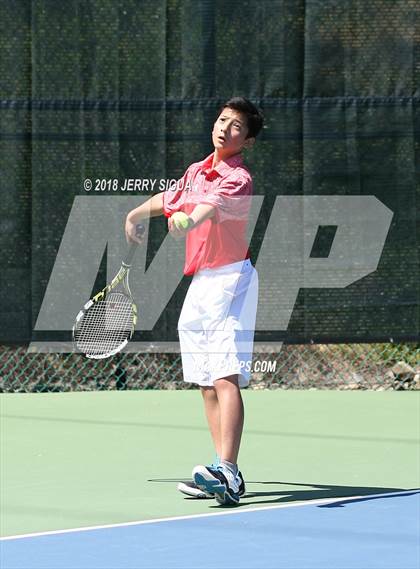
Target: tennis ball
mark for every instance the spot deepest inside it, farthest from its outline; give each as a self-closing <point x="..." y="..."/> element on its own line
<point x="181" y="220"/>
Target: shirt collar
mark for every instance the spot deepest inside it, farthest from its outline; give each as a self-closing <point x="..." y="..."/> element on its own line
<point x="223" y="167"/>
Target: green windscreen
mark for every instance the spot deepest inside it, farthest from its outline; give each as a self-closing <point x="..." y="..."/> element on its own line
<point x="105" y="89"/>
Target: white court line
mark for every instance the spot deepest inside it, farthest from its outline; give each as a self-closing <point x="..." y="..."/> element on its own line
<point x="194" y="516"/>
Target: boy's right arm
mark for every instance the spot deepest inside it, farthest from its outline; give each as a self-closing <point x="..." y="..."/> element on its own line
<point x="151" y="208"/>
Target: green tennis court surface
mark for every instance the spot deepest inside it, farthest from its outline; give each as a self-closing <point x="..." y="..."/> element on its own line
<point x="85" y="459"/>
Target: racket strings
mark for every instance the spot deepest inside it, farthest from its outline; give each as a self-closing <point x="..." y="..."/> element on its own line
<point x="105" y="325"/>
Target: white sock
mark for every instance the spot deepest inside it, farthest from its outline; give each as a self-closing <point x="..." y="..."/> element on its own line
<point x="233" y="468"/>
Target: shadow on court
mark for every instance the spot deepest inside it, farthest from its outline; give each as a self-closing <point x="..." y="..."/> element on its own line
<point x="343" y="503"/>
<point x="276" y="495"/>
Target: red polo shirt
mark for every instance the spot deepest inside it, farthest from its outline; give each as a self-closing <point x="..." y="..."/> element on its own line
<point x="220" y="240"/>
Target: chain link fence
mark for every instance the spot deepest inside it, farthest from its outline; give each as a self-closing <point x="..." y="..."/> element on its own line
<point x="385" y="366"/>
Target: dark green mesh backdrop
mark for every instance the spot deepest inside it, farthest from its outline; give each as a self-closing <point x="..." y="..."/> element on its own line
<point x="129" y="89"/>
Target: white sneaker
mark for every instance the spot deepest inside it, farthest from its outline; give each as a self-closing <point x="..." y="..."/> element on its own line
<point x="220" y="481"/>
<point x="191" y="489"/>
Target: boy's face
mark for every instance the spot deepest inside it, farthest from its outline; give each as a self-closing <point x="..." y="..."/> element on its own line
<point x="229" y="133"/>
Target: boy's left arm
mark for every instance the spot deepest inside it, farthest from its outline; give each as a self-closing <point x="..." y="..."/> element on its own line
<point x="202" y="212"/>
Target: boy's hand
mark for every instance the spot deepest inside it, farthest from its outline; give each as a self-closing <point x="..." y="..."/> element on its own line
<point x="131" y="231"/>
<point x="179" y="224"/>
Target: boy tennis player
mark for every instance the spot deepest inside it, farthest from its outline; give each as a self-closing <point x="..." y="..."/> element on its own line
<point x="210" y="207"/>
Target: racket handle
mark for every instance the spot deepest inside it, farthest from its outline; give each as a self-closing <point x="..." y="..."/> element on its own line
<point x="140" y="229"/>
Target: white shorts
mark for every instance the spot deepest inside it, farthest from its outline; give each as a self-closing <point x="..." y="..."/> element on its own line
<point x="217" y="324"/>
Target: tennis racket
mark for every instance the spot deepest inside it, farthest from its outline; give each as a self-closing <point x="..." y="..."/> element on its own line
<point x="107" y="321"/>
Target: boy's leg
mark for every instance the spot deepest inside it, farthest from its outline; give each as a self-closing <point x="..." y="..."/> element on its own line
<point x="231" y="410"/>
<point x="225" y="482"/>
<point x="211" y="406"/>
<point x="225" y="415"/>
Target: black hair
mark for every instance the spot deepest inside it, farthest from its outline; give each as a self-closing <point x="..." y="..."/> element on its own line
<point x="254" y="117"/>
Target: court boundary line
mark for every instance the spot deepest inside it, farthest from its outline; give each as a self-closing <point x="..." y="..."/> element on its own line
<point x="206" y="515"/>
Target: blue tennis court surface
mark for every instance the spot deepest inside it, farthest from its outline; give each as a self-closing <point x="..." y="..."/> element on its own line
<point x="377" y="532"/>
